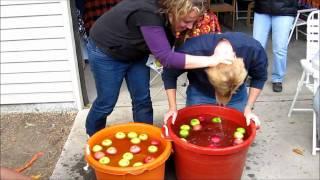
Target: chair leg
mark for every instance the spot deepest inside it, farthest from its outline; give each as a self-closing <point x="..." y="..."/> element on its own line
<point x="299" y="87"/>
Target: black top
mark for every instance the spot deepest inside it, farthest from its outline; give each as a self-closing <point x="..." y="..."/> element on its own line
<point x="276" y="7"/>
<point x="117" y="32"/>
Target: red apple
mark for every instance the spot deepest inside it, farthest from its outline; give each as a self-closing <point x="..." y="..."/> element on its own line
<point x="111" y="150"/>
<point x="135" y="149"/>
<point x="215" y="139"/>
<point x="148" y="159"/>
<point x="98" y="155"/>
<point x="155" y="142"/>
<point x="197" y="127"/>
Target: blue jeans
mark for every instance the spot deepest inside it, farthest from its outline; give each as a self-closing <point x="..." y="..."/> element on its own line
<point x="108" y="74"/>
<point x="195" y="96"/>
<point x="280" y="27"/>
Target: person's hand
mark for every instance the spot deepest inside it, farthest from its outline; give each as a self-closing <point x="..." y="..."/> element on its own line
<point x="217" y="60"/>
<point x="249" y="115"/>
<point x="170" y="113"/>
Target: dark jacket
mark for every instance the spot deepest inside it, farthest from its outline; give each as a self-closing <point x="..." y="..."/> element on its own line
<point x="277" y="7"/>
<point x="253" y="54"/>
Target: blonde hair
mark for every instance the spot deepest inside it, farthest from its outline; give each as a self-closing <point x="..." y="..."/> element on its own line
<point x="226" y="79"/>
<point x="179" y="8"/>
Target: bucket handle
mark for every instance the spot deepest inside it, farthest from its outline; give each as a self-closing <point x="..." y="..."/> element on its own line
<point x="87" y="150"/>
<point x="165" y="132"/>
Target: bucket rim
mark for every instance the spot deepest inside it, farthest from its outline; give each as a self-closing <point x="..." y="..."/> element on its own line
<point x="208" y="150"/>
<point x="160" y="160"/>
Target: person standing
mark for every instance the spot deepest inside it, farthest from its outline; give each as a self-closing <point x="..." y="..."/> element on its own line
<point x="277" y="16"/>
<point x="119" y="44"/>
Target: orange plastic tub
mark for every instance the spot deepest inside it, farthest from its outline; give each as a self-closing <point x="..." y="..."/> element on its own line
<point x="153" y="170"/>
<point x="195" y="162"/>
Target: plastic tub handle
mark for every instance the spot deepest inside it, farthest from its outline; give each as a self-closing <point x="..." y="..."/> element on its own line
<point x="88" y="150"/>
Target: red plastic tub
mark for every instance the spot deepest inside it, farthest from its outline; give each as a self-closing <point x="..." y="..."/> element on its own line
<point x="195" y="162"/>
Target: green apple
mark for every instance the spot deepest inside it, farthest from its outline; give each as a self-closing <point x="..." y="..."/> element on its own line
<point x="238" y="135"/>
<point x="158" y="64"/>
<point x="135" y="140"/>
<point x="132" y="135"/>
<point x="104" y="160"/>
<point x="120" y="135"/>
<point x="184" y="133"/>
<point x="152" y="149"/>
<point x="137" y="164"/>
<point x="185" y="127"/>
<point x="124" y="162"/>
<point x="106" y="142"/>
<point x="216" y="120"/>
<point x="241" y="129"/>
<point x="127" y="155"/>
<point x="194" y="122"/>
<point x="143" y="136"/>
<point x="97" y="148"/>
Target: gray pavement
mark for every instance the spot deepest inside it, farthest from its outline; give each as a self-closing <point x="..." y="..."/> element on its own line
<point x="271" y="156"/>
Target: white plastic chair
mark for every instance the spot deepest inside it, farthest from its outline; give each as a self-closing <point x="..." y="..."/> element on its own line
<point x="158" y="68"/>
<point x="300" y="20"/>
<point x="310" y="66"/>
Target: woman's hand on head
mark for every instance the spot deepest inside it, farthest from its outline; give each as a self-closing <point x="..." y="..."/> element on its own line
<point x="215" y="60"/>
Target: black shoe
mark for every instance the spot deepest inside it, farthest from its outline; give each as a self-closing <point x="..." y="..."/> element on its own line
<point x="277" y="87"/>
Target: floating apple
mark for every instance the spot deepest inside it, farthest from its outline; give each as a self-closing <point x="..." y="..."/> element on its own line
<point x="106" y="142"/>
<point x="183" y="139"/>
<point x="238" y="135"/>
<point x="241" y="130"/>
<point x="216" y="120"/>
<point x="184" y="133"/>
<point x="148" y="159"/>
<point x="124" y="162"/>
<point x="143" y="136"/>
<point x="111" y="150"/>
<point x="137" y="164"/>
<point x="152" y="149"/>
<point x="104" y="160"/>
<point x="132" y="135"/>
<point x="127" y="155"/>
<point x="120" y="135"/>
<point x="135" y="149"/>
<point x="215" y="139"/>
<point x="197" y="127"/>
<point x="98" y="155"/>
<point x="201" y="118"/>
<point x="155" y="142"/>
<point x="185" y="127"/>
<point x="97" y="148"/>
<point x="237" y="141"/>
<point x="135" y="140"/>
<point x="194" y="122"/>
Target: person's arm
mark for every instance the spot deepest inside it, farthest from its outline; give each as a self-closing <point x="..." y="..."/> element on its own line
<point x="169" y="78"/>
<point x="252" y="97"/>
<point x="158" y="44"/>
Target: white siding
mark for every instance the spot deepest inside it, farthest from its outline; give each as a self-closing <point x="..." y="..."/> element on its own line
<point x="37" y="54"/>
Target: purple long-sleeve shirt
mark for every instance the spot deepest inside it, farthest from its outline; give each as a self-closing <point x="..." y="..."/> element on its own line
<point x="157" y="41"/>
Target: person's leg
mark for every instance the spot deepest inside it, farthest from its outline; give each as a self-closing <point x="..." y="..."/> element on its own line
<point x="281" y="26"/>
<point x="137" y="78"/>
<point x="108" y="74"/>
<point x="194" y="97"/>
<point x="261" y="28"/>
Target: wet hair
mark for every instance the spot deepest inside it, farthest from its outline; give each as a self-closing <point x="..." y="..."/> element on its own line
<point x="226" y="79"/>
<point x="179" y="8"/>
